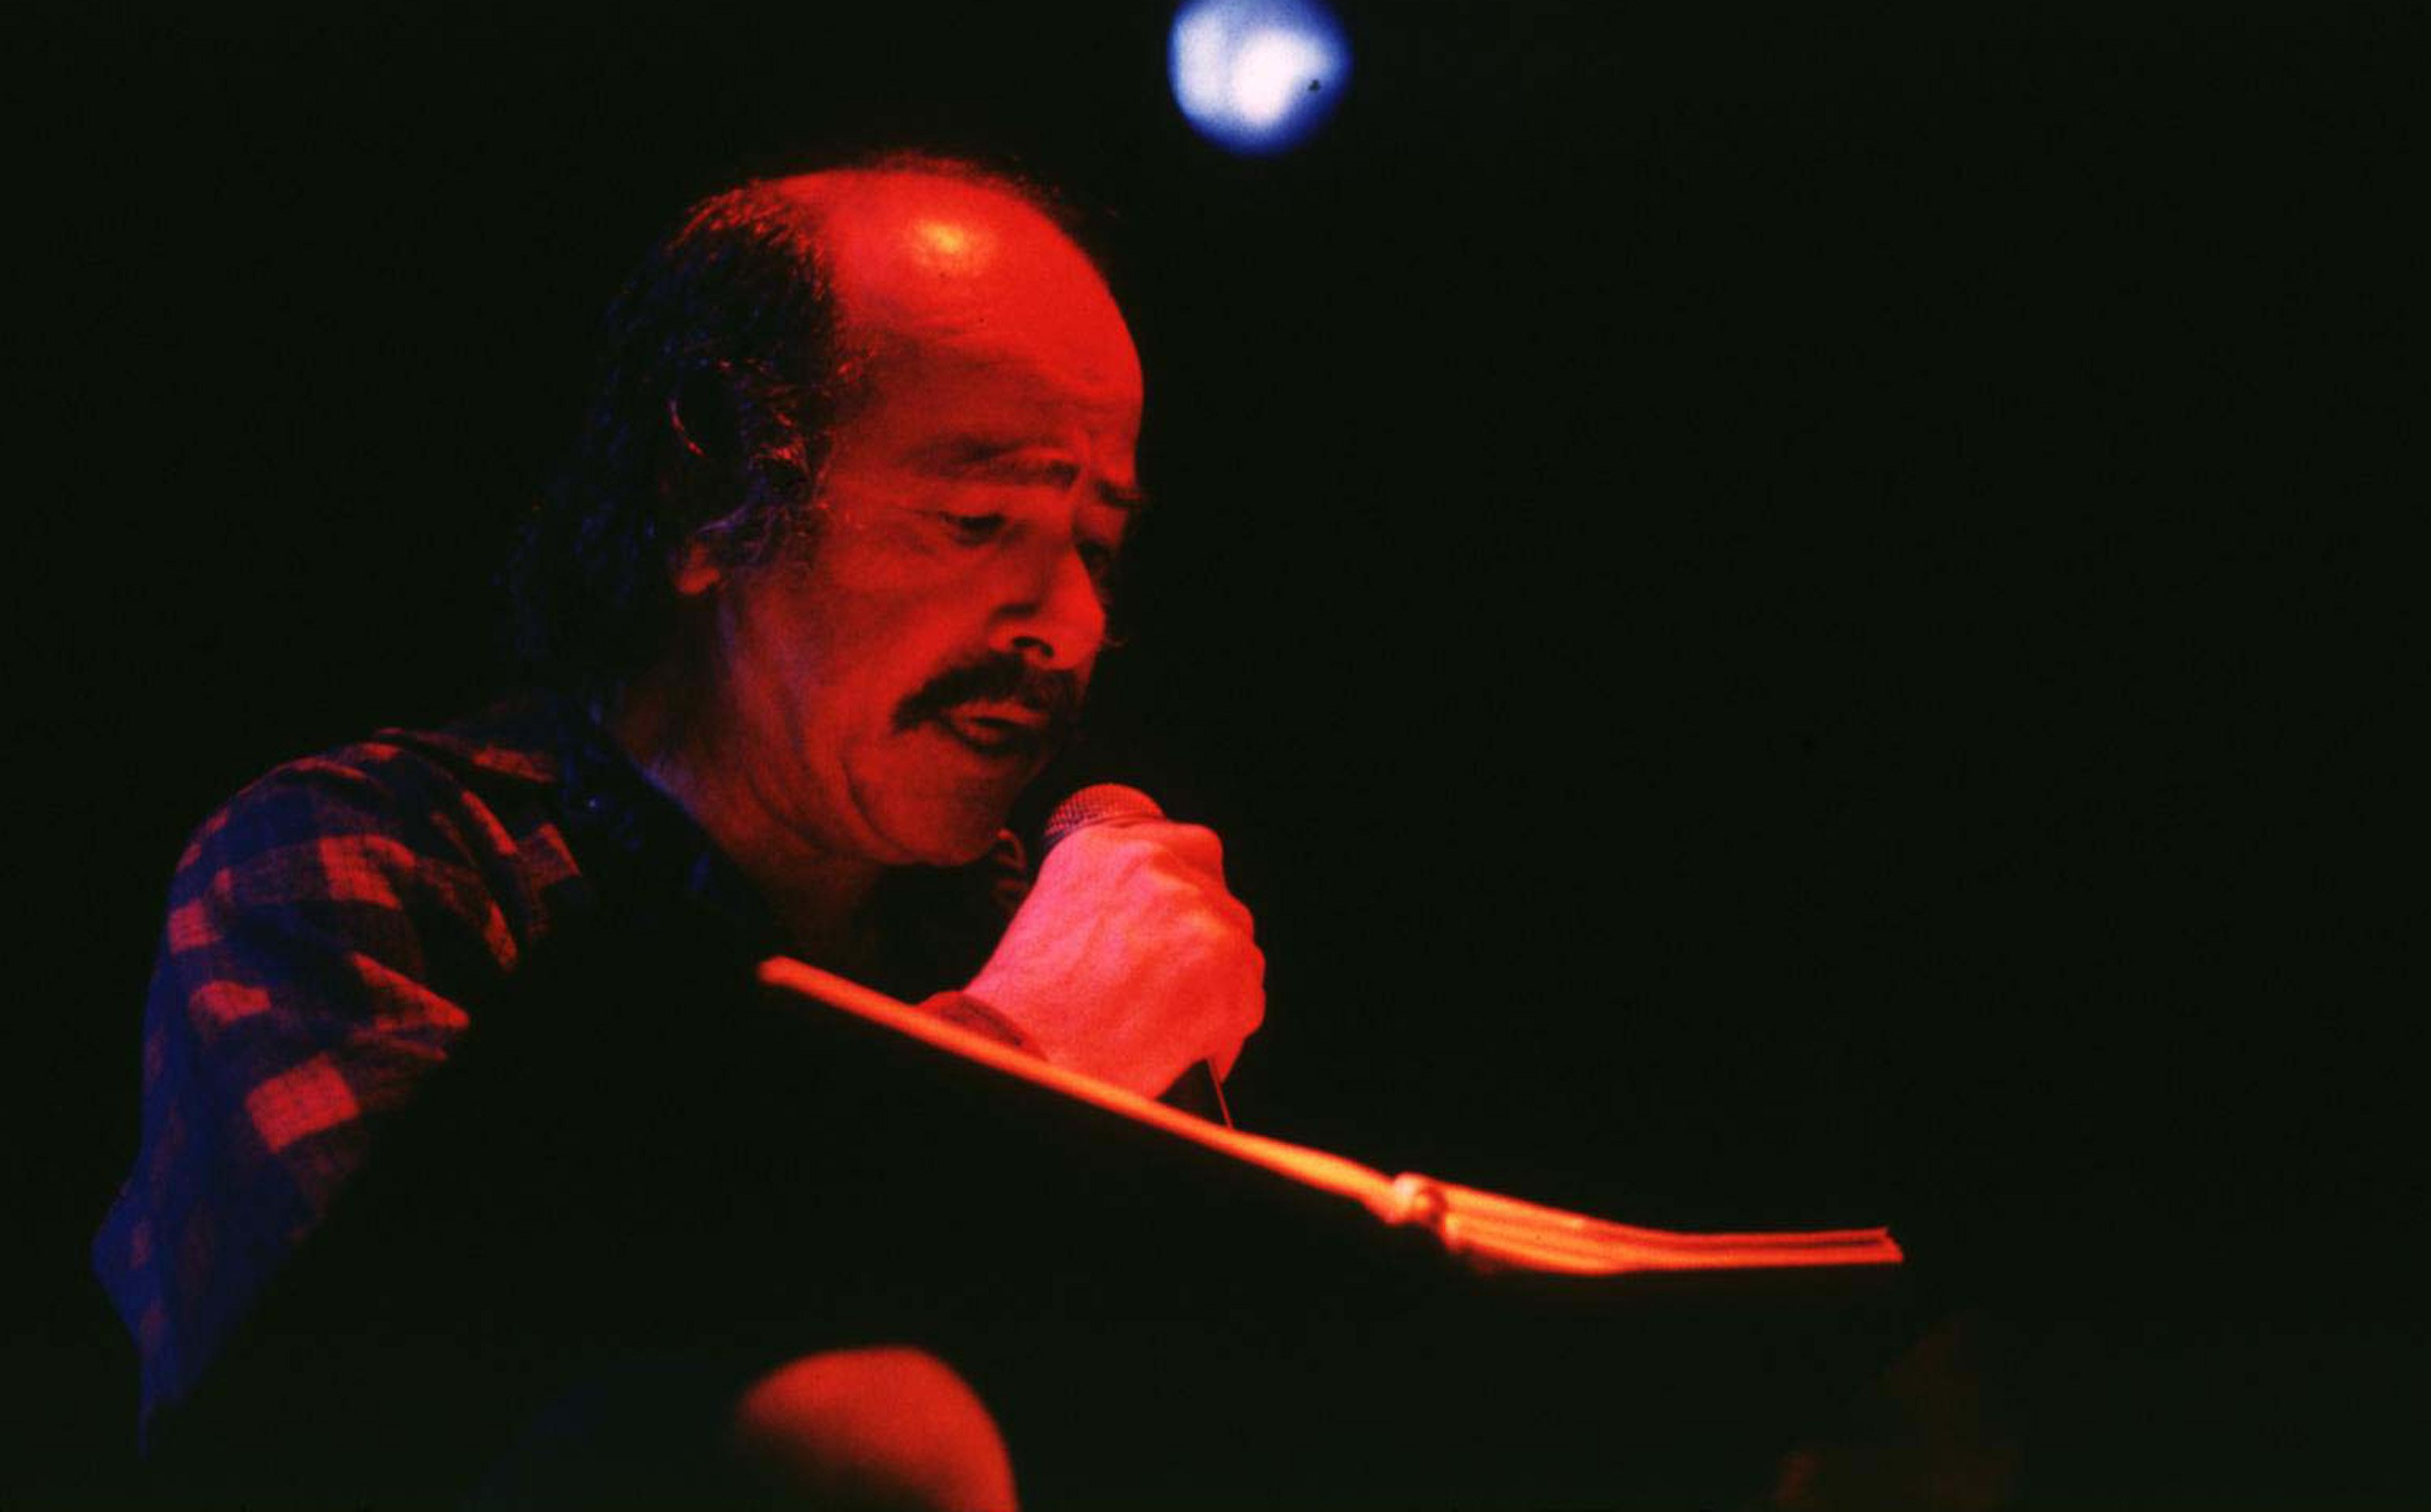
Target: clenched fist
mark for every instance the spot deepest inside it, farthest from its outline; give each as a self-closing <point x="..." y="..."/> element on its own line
<point x="1131" y="960"/>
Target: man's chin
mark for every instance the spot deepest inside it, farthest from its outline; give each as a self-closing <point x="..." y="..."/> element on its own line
<point x="952" y="813"/>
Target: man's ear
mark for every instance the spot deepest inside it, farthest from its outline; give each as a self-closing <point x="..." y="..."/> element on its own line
<point x="694" y="570"/>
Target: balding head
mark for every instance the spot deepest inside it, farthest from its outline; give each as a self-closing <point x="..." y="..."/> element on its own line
<point x="915" y="258"/>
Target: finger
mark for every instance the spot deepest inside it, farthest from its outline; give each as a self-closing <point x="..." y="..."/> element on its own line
<point x="1203" y="885"/>
<point x="1235" y="913"/>
<point x="1224" y="1055"/>
<point x="1250" y="1013"/>
<point x="1183" y="851"/>
<point x="1194" y="845"/>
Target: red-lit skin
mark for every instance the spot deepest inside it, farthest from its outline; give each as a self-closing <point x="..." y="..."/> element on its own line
<point x="891" y="1427"/>
<point x="977" y="481"/>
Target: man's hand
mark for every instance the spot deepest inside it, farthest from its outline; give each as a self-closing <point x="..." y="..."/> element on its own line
<point x="1129" y="959"/>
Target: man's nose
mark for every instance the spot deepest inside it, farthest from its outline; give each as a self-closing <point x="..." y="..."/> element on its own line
<point x="1056" y="620"/>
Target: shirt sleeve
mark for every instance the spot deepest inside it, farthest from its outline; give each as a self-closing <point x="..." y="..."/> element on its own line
<point x="323" y="931"/>
<point x="966" y="1012"/>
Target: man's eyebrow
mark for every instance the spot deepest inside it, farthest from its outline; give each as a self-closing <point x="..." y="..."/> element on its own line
<point x="976" y="453"/>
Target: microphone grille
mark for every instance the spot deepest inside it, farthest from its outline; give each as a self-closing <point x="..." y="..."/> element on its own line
<point x="1097" y="803"/>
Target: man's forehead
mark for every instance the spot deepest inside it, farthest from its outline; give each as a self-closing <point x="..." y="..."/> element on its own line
<point x="1002" y="386"/>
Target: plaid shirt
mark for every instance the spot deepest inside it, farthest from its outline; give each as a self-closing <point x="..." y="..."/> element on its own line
<point x="331" y="933"/>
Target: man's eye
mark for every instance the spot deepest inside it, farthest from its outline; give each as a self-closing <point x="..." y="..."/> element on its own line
<point x="971" y="529"/>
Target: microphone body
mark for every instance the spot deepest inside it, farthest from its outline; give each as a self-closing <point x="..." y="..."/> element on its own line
<point x="1199" y="1090"/>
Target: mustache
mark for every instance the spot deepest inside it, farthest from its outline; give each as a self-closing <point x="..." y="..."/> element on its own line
<point x="998" y="677"/>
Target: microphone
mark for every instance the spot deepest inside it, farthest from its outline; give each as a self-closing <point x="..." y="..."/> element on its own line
<point x="1097" y="803"/>
<point x="1200" y="1090"/>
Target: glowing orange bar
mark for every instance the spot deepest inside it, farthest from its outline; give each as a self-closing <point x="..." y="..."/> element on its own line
<point x="1483" y="1228"/>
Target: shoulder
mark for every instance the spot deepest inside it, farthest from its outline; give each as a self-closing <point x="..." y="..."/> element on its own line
<point x="462" y="812"/>
<point x="407" y="782"/>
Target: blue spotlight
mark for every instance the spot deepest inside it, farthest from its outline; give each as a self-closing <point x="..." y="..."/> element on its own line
<point x="1257" y="76"/>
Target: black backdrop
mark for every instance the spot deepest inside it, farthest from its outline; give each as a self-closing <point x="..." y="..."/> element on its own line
<point x="1779" y="609"/>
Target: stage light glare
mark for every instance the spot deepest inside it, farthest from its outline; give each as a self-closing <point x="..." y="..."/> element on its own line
<point x="1256" y="75"/>
<point x="1271" y="69"/>
<point x="1202" y="55"/>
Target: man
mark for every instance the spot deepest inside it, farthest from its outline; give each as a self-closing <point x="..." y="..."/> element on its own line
<point x="819" y="596"/>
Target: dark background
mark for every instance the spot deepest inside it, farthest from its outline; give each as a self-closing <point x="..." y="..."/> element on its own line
<point x="1782" y="612"/>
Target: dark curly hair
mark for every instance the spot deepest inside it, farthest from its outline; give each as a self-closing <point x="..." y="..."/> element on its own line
<point x="721" y="376"/>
